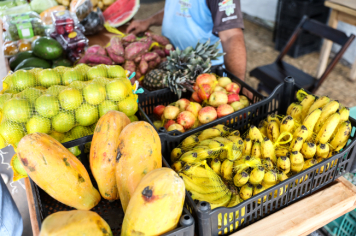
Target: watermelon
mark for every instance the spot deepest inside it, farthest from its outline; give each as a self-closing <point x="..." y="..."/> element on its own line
<point x="121" y="12"/>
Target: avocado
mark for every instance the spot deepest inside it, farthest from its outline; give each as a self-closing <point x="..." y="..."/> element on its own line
<point x="61" y="62"/>
<point x="33" y="62"/>
<point x="47" y="48"/>
<point x="14" y="61"/>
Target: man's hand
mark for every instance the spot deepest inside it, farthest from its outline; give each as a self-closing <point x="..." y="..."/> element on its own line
<point x="138" y="26"/>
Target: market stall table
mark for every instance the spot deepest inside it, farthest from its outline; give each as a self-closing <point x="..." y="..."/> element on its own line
<point x="342" y="10"/>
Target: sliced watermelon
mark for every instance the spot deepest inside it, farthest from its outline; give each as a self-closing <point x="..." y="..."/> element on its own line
<point x="121" y="12"/>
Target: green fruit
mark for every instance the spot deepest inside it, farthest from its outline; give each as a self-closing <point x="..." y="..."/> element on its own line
<point x="102" y="80"/>
<point x="80" y="131"/>
<point x="86" y="115"/>
<point x="32" y="94"/>
<point x="83" y="68"/>
<point x="56" y="135"/>
<point x="72" y="75"/>
<point x="97" y="71"/>
<point x="133" y="118"/>
<point x="47" y="48"/>
<point x="116" y="90"/>
<point x="47" y="105"/>
<point x="18" y="58"/>
<point x="33" y="62"/>
<point x="23" y="79"/>
<point x="3" y="98"/>
<point x="38" y="124"/>
<point x="116" y="72"/>
<point x="17" y="110"/>
<point x="11" y="132"/>
<point x="107" y="106"/>
<point x="92" y="127"/>
<point x="128" y="106"/>
<point x="61" y="62"/>
<point x="61" y="70"/>
<point x="36" y="71"/>
<point x="55" y="90"/>
<point x="78" y="85"/>
<point x="49" y="77"/>
<point x="94" y="93"/>
<point x="70" y="98"/>
<point x="75" y="150"/>
<point x="63" y="122"/>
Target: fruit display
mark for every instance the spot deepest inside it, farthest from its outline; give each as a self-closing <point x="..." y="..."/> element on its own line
<point x="214" y="97"/>
<point x="120" y="11"/>
<point x="75" y="222"/>
<point x="182" y="67"/>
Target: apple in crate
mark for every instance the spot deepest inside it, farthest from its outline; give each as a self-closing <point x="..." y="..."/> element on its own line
<point x="219" y="89"/>
<point x="207" y="114"/>
<point x="176" y="127"/>
<point x="194" y="108"/>
<point x="182" y="104"/>
<point x="218" y="98"/>
<point x="223" y="81"/>
<point x="186" y="119"/>
<point x="232" y="97"/>
<point x="196" y="97"/>
<point x="244" y="100"/>
<point x="204" y="91"/>
<point x="233" y="88"/>
<point x="170" y="112"/>
<point x="237" y="105"/>
<point x="224" y="110"/>
<point x="169" y="123"/>
<point x="205" y="79"/>
<point x="157" y="124"/>
<point x="158" y="111"/>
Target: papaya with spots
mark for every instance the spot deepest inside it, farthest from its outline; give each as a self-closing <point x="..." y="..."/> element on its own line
<point x="103" y="152"/>
<point x="57" y="171"/>
<point x="76" y="222"/>
<point x="139" y="153"/>
<point x="156" y="205"/>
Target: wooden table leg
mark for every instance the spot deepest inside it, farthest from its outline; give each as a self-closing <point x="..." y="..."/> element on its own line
<point x="353" y="71"/>
<point x="327" y="44"/>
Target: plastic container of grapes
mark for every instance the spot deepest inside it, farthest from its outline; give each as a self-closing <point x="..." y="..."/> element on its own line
<point x="74" y="41"/>
<point x="64" y="22"/>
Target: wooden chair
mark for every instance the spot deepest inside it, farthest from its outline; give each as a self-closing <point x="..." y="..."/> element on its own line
<point x="273" y="74"/>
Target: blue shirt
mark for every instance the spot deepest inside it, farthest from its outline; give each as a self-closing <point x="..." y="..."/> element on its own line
<point x="186" y="22"/>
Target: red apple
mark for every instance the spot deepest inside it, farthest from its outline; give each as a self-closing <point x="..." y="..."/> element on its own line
<point x="223" y="81"/>
<point x="169" y="123"/>
<point x="237" y="105"/>
<point x="219" y="89"/>
<point x="171" y="112"/>
<point x="194" y="108"/>
<point x="186" y="119"/>
<point x="158" y="111"/>
<point x="157" y="124"/>
<point x="182" y="104"/>
<point x="233" y="88"/>
<point x="204" y="91"/>
<point x="205" y="79"/>
<point x="224" y="110"/>
<point x="244" y="101"/>
<point x="232" y="97"/>
<point x="218" y="98"/>
<point x="207" y="114"/>
<point x="176" y="127"/>
<point x="196" y="97"/>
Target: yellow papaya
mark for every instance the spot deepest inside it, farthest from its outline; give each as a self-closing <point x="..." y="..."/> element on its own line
<point x="139" y="153"/>
<point x="156" y="205"/>
<point x="76" y="222"/>
<point x="103" y="152"/>
<point x="57" y="171"/>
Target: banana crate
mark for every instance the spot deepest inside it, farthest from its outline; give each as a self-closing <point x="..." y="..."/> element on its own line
<point x="111" y="212"/>
<point x="149" y="100"/>
<point x="223" y="220"/>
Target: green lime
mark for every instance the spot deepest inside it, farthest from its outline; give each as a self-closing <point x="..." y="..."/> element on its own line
<point x="128" y="106"/>
<point x="38" y="124"/>
<point x="49" y="77"/>
<point x="17" y="110"/>
<point x="70" y="98"/>
<point x="23" y="79"/>
<point x="106" y="106"/>
<point x="11" y="132"/>
<point x="63" y="122"/>
<point x="47" y="105"/>
<point x="116" y="71"/>
<point x="86" y="115"/>
<point x="71" y="75"/>
<point x="117" y="90"/>
<point x="97" y="71"/>
<point x="94" y="93"/>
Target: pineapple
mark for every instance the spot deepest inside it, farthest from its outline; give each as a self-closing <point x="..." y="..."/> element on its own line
<point x="182" y="67"/>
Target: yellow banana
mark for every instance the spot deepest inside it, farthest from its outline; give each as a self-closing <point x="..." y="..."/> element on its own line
<point x="215" y="165"/>
<point x="344" y="114"/>
<point x="177" y="166"/>
<point x="297" y="162"/>
<point x="262" y="127"/>
<point x="204" y="142"/>
<point x="189" y="142"/>
<point x="196" y="171"/>
<point x="341" y="136"/>
<point x="322" y="168"/>
<point x="241" y="178"/>
<point x="246" y="191"/>
<point x="302" y="132"/>
<point x="322" y="150"/>
<point x="291" y="106"/>
<point x="282" y="152"/>
<point x="216" y="145"/>
<point x="209" y="133"/>
<point x="296" y="144"/>
<point x="309" y="163"/>
<point x="221" y="202"/>
<point x="301" y="94"/>
<point x="268" y="149"/>
<point x="189" y="157"/>
<point x="273" y="117"/>
<point x="296" y="113"/>
<point x="306" y="103"/>
<point x="176" y="154"/>
<point x="311" y="120"/>
<point x="327" y="111"/>
<point x="235" y="139"/>
<point x="287" y="125"/>
<point x="328" y="128"/>
<point x="223" y="129"/>
<point x="191" y="186"/>
<point x="251" y="161"/>
<point x="256" y="149"/>
<point x="319" y="103"/>
<point x="281" y="175"/>
<point x="222" y="140"/>
<point x="256" y="175"/>
<point x="220" y="197"/>
<point x="247" y="146"/>
<point x="226" y="169"/>
<point x="258" y="189"/>
<point x="255" y="134"/>
<point x="283" y="163"/>
<point x="308" y="150"/>
<point x="267" y="163"/>
<point x="234" y="133"/>
<point x="270" y="177"/>
<point x="273" y="131"/>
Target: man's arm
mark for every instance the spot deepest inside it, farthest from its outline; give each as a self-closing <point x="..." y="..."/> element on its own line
<point x="233" y="44"/>
<point x="138" y="26"/>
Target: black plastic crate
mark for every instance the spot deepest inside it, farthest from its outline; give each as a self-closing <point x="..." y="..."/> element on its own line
<point x="111" y="212"/>
<point x="149" y="100"/>
<point x="206" y="220"/>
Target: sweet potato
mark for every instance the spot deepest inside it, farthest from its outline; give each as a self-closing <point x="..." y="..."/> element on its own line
<point x="143" y="66"/>
<point x="96" y="49"/>
<point x="137" y="60"/>
<point x="155" y="47"/>
<point x="160" y="52"/>
<point x="149" y="56"/>
<point x="125" y="44"/>
<point x="168" y="48"/>
<point x="138" y="74"/>
<point x="158" y="38"/>
<point x="95" y="59"/>
<point x="137" y="49"/>
<point x="158" y="60"/>
<point x="116" y="58"/>
<point x="129" y="38"/>
<point x="152" y="64"/>
<point x="130" y="66"/>
<point x="117" y="46"/>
